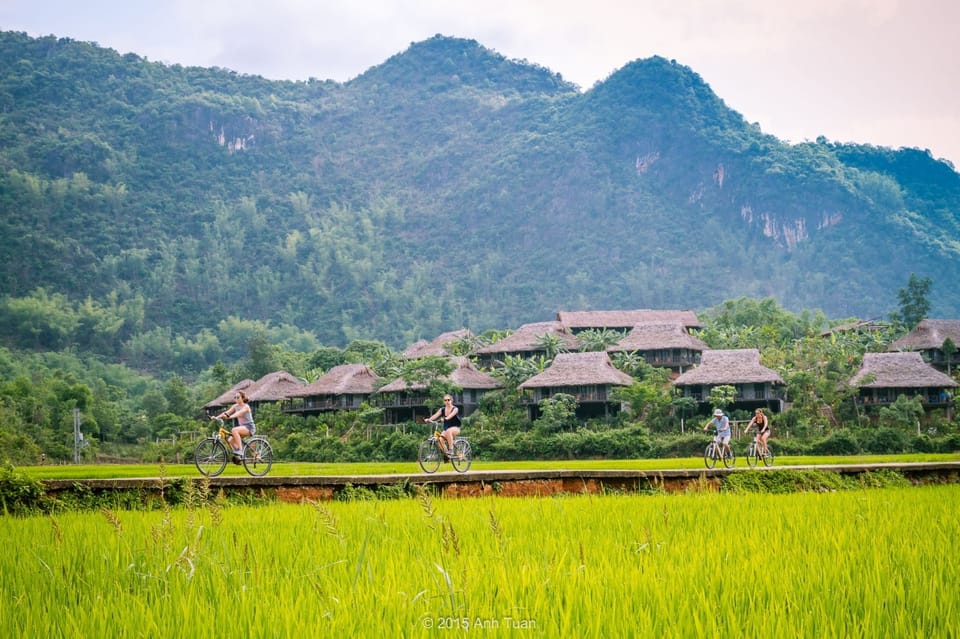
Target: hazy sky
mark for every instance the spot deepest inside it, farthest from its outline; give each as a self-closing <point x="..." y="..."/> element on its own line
<point x="882" y="72"/>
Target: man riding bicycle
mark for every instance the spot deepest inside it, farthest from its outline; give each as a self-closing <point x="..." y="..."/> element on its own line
<point x="722" y="423"/>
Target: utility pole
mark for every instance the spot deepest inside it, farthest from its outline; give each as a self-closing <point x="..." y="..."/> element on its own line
<point x="77" y="436"/>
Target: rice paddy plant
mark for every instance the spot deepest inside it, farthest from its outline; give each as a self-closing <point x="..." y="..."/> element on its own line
<point x="284" y="468"/>
<point x="848" y="564"/>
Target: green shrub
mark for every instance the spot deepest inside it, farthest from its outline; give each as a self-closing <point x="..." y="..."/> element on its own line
<point x="840" y="442"/>
<point x="557" y="413"/>
<point x="950" y="444"/>
<point x="20" y="495"/>
<point x="884" y="440"/>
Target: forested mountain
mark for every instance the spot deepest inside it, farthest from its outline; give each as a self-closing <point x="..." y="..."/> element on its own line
<point x="446" y="187"/>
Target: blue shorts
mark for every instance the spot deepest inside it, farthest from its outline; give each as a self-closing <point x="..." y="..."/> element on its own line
<point x="251" y="427"/>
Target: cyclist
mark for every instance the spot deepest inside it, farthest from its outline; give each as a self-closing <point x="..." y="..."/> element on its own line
<point x="451" y="421"/>
<point x="763" y="429"/>
<point x="722" y="423"/>
<point x="245" y="427"/>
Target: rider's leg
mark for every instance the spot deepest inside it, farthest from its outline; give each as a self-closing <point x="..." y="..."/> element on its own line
<point x="449" y="435"/>
<point x="237" y="433"/>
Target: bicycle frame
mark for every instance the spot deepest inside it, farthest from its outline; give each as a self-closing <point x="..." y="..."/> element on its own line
<point x="755" y="454"/>
<point x="717" y="451"/>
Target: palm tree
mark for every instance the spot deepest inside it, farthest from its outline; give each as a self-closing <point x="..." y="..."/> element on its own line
<point x="516" y="370"/>
<point x="551" y="345"/>
<point x="630" y="363"/>
<point x="598" y="339"/>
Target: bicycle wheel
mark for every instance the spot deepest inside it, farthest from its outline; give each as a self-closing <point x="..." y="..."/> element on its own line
<point x="429" y="456"/>
<point x="462" y="455"/>
<point x="752" y="456"/>
<point x="257" y="456"/>
<point x="768" y="457"/>
<point x="210" y="457"/>
<point x="729" y="458"/>
<point x="710" y="456"/>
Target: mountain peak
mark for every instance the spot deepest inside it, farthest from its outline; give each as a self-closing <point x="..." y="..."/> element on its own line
<point x="450" y="62"/>
<point x="673" y="90"/>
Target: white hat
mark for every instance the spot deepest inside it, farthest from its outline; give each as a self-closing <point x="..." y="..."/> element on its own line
<point x="718" y="413"/>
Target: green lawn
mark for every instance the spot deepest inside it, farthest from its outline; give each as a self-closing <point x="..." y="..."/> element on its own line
<point x="280" y="468"/>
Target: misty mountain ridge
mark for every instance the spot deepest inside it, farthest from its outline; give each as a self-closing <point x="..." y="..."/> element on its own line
<point x="446" y="187"/>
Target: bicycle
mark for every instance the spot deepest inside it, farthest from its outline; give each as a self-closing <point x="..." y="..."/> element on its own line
<point x="212" y="453"/>
<point x="754" y="454"/>
<point x="716" y="451"/>
<point x="433" y="450"/>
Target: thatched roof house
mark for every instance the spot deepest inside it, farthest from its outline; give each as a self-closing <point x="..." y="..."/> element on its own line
<point x="735" y="366"/>
<point x="884" y="376"/>
<point x="465" y="375"/>
<point x="405" y="400"/>
<point x="524" y="342"/>
<point x="928" y="338"/>
<point x="437" y="346"/>
<point x="579" y="369"/>
<point x="346" y="378"/>
<point x="587" y="376"/>
<point x="663" y="344"/>
<point x="929" y="333"/>
<point x="272" y="387"/>
<point x="577" y="321"/>
<point x="756" y="385"/>
<point x="226" y="398"/>
<point x="343" y="387"/>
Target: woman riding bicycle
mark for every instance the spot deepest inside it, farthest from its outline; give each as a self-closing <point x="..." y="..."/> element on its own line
<point x="245" y="427"/>
<point x="451" y="421"/>
<point x="763" y="429"/>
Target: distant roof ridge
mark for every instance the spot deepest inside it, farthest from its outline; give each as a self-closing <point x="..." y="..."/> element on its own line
<point x="526" y="338"/>
<point x="928" y="334"/>
<point x="729" y="366"/>
<point x="645" y="336"/>
<point x="899" y="370"/>
<point x="435" y="347"/>
<point x="624" y="318"/>
<point x="340" y="380"/>
<point x="465" y="375"/>
<point x="581" y="368"/>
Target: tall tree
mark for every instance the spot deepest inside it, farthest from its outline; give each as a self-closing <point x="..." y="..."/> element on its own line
<point x="948" y="348"/>
<point x="263" y="357"/>
<point x="914" y="302"/>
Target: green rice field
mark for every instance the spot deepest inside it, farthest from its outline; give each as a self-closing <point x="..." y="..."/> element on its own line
<point x="862" y="563"/>
<point x="281" y="468"/>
